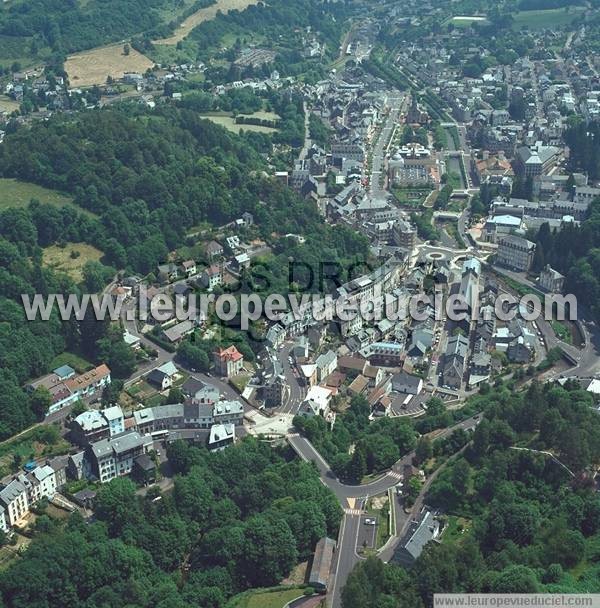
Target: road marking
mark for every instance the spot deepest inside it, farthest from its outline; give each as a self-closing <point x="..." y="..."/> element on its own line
<point x="351" y="502"/>
<point x="353" y="511"/>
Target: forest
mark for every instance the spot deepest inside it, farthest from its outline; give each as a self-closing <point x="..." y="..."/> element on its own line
<point x="67" y="26"/>
<point x="528" y="525"/>
<point x="235" y="520"/>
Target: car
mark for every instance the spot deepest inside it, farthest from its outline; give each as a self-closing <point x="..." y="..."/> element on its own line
<point x="369" y="522"/>
<point x="476" y="417"/>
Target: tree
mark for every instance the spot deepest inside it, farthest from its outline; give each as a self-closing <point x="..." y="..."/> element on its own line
<point x="357" y="467"/>
<point x="269" y="551"/>
<point x="116" y="504"/>
<point x="126" y="49"/>
<point x="424" y="450"/>
<point x="40" y="401"/>
<point x="515" y="579"/>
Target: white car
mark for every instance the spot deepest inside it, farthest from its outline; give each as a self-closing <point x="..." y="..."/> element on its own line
<point x="369" y="522"/>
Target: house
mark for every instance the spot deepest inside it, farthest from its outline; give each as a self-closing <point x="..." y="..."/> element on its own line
<point x="167" y="272"/>
<point x="241" y="261"/>
<point x="358" y="385"/>
<point x="228" y="412"/>
<point x="114" y="457"/>
<point x="374" y="374"/>
<point x="322" y="561"/>
<point x="116" y="422"/>
<point x="214" y="250"/>
<point x="88" y="427"/>
<point x="515" y="252"/>
<point x="421" y="531"/>
<point x="407" y="383"/>
<point x="77" y="466"/>
<point x="351" y="365"/>
<point x="228" y="362"/>
<point x="176" y="333"/>
<point x="144" y="469"/>
<point x="132" y="340"/>
<point x="39" y="483"/>
<point x="551" y="280"/>
<point x="13" y="498"/>
<point x="188" y="267"/>
<point x="59" y="466"/>
<point x="212" y="276"/>
<point x="316" y="402"/>
<point x="454" y="361"/>
<point x="163" y="376"/>
<point x="326" y="364"/>
<point x="199" y="391"/>
<point x="221" y="436"/>
<point x="519" y="351"/>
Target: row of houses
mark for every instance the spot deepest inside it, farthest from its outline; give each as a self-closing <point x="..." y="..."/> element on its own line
<point x="66" y="386"/>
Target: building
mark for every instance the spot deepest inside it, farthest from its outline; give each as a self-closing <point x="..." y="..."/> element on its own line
<point x="212" y="277"/>
<point x="88" y="427"/>
<point x="214" y="250"/>
<point x="163" y="376"/>
<point x="189" y="268"/>
<point x="551" y="280"/>
<point x="536" y="160"/>
<point x="326" y="364"/>
<point x="421" y="531"/>
<point x="407" y="383"/>
<point x="114" y="457"/>
<point x="199" y="391"/>
<point x="228" y="362"/>
<point x="66" y="386"/>
<point x="13" y="498"/>
<point x="316" y="402"/>
<point x="516" y="253"/>
<point x="404" y="235"/>
<point x="221" y="436"/>
<point x="39" y="483"/>
<point x="454" y="361"/>
<point x="320" y="569"/>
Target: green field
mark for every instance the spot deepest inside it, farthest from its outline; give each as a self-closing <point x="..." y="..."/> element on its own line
<point x="226" y="119"/>
<point x="71" y="258"/>
<point x="537" y="20"/>
<point x="14" y="193"/>
<point x="79" y="364"/>
<point x="265" y="598"/>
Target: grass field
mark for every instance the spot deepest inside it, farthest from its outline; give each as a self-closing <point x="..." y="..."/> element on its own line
<point x="266" y="599"/>
<point x="79" y="364"/>
<point x="14" y="193"/>
<point x="94" y="67"/>
<point x="205" y="14"/>
<point x="71" y="259"/>
<point x="8" y="105"/>
<point x="225" y="119"/>
<point x="537" y="20"/>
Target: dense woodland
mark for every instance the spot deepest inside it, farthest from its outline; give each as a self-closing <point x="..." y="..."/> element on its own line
<point x="66" y="26"/>
<point x="237" y="519"/>
<point x="527" y="525"/>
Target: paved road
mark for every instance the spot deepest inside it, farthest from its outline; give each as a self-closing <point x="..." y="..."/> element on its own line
<point x="352" y="498"/>
<point x="295" y="392"/>
<point x="376" y="187"/>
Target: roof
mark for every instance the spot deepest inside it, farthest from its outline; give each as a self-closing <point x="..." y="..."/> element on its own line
<point x="325" y="359"/>
<point x="517" y="241"/>
<point x="11" y="491"/>
<point x="352" y="363"/>
<point x="91" y="420"/>
<point x="406" y="379"/>
<point x="230" y="353"/>
<point x="64" y="371"/>
<point x="322" y="560"/>
<point x="457" y="345"/>
<point x="85" y="380"/>
<point x="177" y="332"/>
<point x="113" y="413"/>
<point x="221" y="432"/>
<point x="41" y="473"/>
<point x="168" y="368"/>
<point x="371" y="371"/>
<point x="319" y="394"/>
<point x="228" y="407"/>
<point x="144" y="462"/>
<point x="359" y="384"/>
<point x="419" y="534"/>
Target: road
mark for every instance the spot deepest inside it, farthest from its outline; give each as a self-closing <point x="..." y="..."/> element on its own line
<point x="295" y="392"/>
<point x="377" y="181"/>
<point x="352" y="499"/>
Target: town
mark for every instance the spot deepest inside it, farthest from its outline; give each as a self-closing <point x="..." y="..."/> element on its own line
<point x="420" y="156"/>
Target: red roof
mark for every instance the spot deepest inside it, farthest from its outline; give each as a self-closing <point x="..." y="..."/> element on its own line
<point x="229" y="354"/>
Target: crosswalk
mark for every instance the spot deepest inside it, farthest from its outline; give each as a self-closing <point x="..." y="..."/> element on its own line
<point x="395" y="475"/>
<point x="352" y="511"/>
